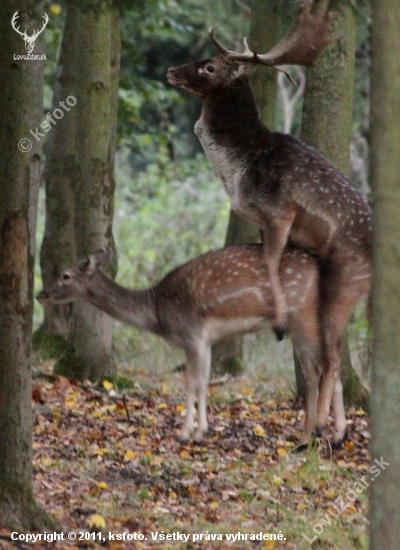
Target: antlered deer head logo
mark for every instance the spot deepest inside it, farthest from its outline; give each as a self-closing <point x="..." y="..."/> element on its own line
<point x="29" y="40"/>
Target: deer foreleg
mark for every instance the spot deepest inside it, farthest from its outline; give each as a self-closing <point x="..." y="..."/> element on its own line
<point x="197" y="373"/>
<point x="275" y="238"/>
<point x="204" y="364"/>
<point x="338" y="412"/>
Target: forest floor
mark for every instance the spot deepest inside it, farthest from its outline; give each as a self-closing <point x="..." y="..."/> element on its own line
<point x="107" y="466"/>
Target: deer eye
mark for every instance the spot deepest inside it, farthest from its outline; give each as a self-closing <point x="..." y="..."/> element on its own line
<point x="210" y="68"/>
<point x="66" y="277"/>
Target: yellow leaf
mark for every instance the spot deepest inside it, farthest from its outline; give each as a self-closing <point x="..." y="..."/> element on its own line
<point x="269" y="545"/>
<point x="161" y="406"/>
<point x="46" y="461"/>
<point x="276" y="480"/>
<point x="180" y="408"/>
<point x="70" y="402"/>
<point x="96" y="520"/>
<point x="99" y="451"/>
<point x="281" y="451"/>
<point x="184" y="454"/>
<point x="142" y="441"/>
<point x="259" y="431"/>
<point x="102" y="485"/>
<point x="156" y="461"/>
<point x="55" y="8"/>
<point x="172" y="495"/>
<point x="129" y="455"/>
<point x="213" y="505"/>
<point x="330" y="493"/>
<point x="351" y="510"/>
<point x="108" y="385"/>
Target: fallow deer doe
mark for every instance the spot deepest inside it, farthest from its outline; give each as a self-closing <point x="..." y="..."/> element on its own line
<point x="292" y="193"/>
<point x="216" y="295"/>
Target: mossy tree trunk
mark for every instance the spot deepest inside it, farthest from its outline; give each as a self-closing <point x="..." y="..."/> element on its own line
<point x="21" y="100"/>
<point x="58" y="248"/>
<point x="264" y="33"/>
<point x="326" y="126"/>
<point x="385" y="176"/>
<point x="88" y="354"/>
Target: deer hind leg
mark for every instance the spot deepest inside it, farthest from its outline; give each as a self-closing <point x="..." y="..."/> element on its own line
<point x="198" y="356"/>
<point x="339" y="294"/>
<point x="275" y="237"/>
<point x="307" y="347"/>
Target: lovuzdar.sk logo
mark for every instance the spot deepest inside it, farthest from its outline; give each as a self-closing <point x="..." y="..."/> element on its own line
<point x="29" y="39"/>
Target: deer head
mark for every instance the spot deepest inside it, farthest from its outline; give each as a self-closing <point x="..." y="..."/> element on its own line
<point x="29" y="40"/>
<point x="300" y="46"/>
<point x="72" y="283"/>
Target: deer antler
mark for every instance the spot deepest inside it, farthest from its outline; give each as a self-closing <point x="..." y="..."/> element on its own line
<point x="36" y="33"/>
<point x="300" y="46"/>
<point x="13" y="22"/>
<point x="24" y="34"/>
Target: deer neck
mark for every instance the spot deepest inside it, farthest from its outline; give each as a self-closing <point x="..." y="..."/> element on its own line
<point x="134" y="307"/>
<point x="230" y="130"/>
<point x="231" y="115"/>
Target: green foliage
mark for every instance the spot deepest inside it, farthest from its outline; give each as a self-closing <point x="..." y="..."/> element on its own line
<point x="167" y="215"/>
<point x="233" y="366"/>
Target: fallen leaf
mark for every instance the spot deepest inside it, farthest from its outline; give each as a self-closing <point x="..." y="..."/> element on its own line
<point x="108" y="385"/>
<point x="259" y="431"/>
<point x="97" y="520"/>
<point x="129" y="455"/>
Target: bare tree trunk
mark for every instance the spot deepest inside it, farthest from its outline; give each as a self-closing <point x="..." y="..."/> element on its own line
<point x="326" y="126"/>
<point x="21" y="95"/>
<point x="227" y="355"/>
<point x="385" y="170"/>
<point x="58" y="247"/>
<point x="89" y="350"/>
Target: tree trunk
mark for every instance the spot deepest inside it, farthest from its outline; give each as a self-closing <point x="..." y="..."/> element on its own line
<point x="21" y="96"/>
<point x="58" y="247"/>
<point x="89" y="349"/>
<point x="385" y="170"/>
<point x="227" y="355"/>
<point x="326" y="126"/>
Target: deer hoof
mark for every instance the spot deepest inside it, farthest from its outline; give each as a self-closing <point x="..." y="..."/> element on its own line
<point x="280" y="332"/>
<point x="338" y="443"/>
<point x="318" y="431"/>
<point x="199" y="435"/>
<point x="184" y="436"/>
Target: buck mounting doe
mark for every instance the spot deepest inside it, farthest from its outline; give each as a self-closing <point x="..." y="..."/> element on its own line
<point x="292" y="193"/>
<point x="216" y="295"/>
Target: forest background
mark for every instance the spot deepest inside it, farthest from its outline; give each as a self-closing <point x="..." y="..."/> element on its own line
<point x="168" y="208"/>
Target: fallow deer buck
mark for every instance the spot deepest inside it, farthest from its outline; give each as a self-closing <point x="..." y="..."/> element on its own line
<point x="292" y="193"/>
<point x="218" y="294"/>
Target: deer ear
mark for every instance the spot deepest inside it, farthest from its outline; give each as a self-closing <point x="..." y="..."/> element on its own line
<point x="90" y="264"/>
<point x="242" y="70"/>
<point x="100" y="258"/>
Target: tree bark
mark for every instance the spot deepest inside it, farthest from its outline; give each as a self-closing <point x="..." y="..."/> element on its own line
<point x="385" y="170"/>
<point x="326" y="126"/>
<point x="21" y="96"/>
<point x="58" y="248"/>
<point x="227" y="355"/>
<point x="89" y="349"/>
